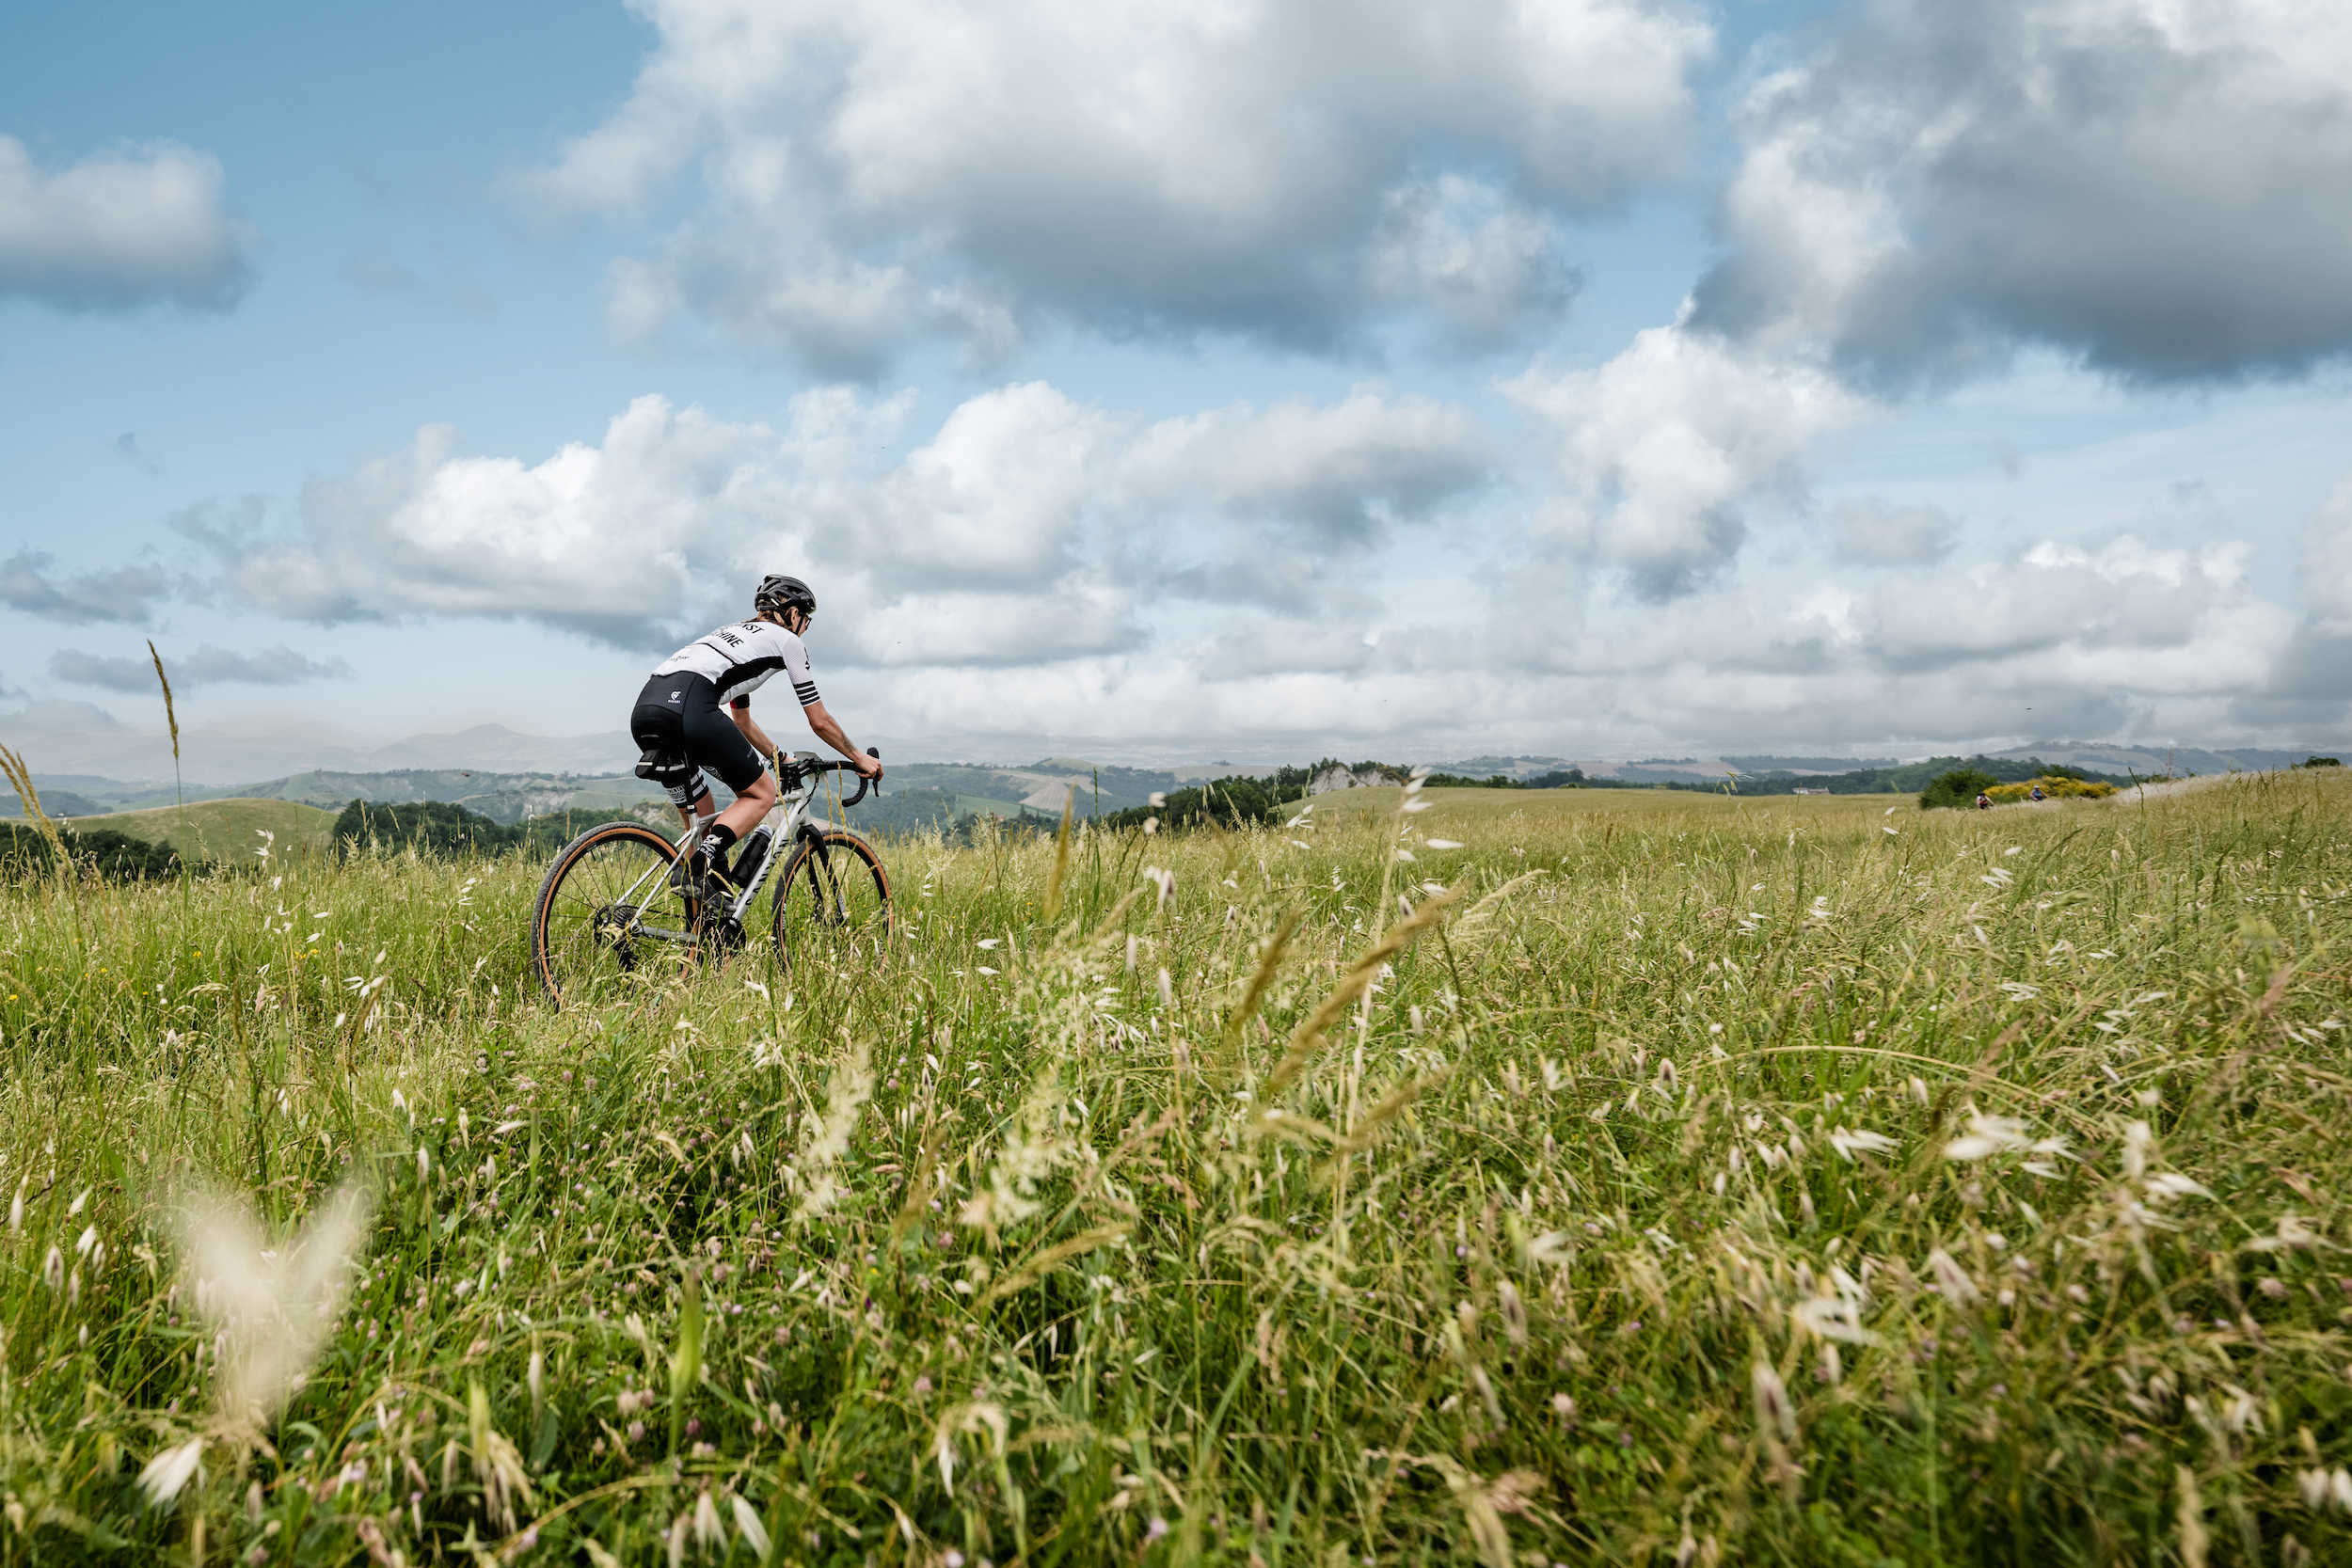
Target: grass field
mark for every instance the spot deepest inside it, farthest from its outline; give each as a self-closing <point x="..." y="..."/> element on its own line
<point x="1541" y="806"/>
<point x="221" y="829"/>
<point x="1665" y="1179"/>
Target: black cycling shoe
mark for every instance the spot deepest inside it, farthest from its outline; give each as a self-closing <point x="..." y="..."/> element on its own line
<point x="711" y="889"/>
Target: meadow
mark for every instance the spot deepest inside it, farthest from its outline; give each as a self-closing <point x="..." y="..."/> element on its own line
<point x="1565" y="1178"/>
<point x="220" y="829"/>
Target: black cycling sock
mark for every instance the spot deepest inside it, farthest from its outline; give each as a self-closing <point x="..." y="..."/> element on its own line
<point x="712" y="854"/>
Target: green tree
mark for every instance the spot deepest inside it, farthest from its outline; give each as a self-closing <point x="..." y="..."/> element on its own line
<point x="1958" y="788"/>
<point x="116" y="856"/>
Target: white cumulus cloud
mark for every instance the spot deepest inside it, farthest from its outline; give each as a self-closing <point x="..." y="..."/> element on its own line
<point x="120" y="230"/>
<point x="1029" y="528"/>
<point x="869" y="171"/>
<point x="1662" y="453"/>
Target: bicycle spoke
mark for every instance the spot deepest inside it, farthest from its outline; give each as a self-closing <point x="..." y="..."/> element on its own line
<point x="606" y="912"/>
<point x="833" y="904"/>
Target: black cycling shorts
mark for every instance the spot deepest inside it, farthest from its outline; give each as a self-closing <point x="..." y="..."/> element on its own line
<point x="681" y="713"/>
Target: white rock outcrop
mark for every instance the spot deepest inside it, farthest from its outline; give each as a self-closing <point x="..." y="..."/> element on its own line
<point x="1340" y="778"/>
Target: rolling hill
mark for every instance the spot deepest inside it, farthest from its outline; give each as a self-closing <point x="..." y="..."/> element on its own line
<point x="223" y="830"/>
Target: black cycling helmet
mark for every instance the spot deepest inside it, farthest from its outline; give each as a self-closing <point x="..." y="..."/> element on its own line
<point x="783" y="593"/>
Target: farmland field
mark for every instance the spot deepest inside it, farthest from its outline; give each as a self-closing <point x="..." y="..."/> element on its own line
<point x="220" y="829"/>
<point x="1624" y="1177"/>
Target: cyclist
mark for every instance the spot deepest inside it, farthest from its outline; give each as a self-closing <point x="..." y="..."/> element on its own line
<point x="678" y="714"/>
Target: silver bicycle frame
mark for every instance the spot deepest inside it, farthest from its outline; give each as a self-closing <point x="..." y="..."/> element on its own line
<point x="786" y="816"/>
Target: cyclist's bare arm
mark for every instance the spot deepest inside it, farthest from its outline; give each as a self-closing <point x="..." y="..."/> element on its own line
<point x="830" y="732"/>
<point x="742" y="713"/>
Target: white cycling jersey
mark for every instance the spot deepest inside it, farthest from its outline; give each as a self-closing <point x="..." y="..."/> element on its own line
<point x="740" y="658"/>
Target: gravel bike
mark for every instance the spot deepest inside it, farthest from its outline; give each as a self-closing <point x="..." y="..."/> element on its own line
<point x="610" y="910"/>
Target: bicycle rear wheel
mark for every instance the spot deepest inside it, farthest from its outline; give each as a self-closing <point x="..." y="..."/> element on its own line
<point x="606" y="911"/>
<point x="832" y="901"/>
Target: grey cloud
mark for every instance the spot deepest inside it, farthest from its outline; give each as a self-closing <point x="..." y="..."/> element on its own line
<point x="2186" y="617"/>
<point x="2167" y="193"/>
<point x="1872" y="532"/>
<point x="2073" y="634"/>
<point x="2311" y="682"/>
<point x="124" y="594"/>
<point x="2323" y="573"/>
<point x="1491" y="273"/>
<point x="2126" y="640"/>
<point x="1260" y="645"/>
<point x="126" y="446"/>
<point x="1329" y="475"/>
<point x="120" y="230"/>
<point x="873" y="173"/>
<point x="277" y="665"/>
<point x="377" y="271"/>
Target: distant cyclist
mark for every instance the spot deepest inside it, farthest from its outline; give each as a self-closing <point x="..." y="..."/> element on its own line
<point x="677" y="715"/>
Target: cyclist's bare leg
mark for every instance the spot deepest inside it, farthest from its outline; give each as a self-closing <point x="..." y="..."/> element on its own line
<point x="757" y="799"/>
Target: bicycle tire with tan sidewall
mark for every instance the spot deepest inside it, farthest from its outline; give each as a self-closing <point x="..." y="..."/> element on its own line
<point x="840" y="898"/>
<point x="568" y="950"/>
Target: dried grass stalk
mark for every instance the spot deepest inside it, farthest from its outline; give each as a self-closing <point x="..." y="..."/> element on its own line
<point x="1311" y="1031"/>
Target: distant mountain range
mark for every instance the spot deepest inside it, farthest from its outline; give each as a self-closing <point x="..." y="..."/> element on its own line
<point x="2093" y="756"/>
<point x="88" y="763"/>
<point x="61" y="738"/>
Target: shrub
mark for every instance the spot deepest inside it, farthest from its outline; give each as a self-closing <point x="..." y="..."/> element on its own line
<point x="2055" y="787"/>
<point x="1958" y="789"/>
<point x="2321" y="762"/>
<point x="116" y="856"/>
<point x="435" y="827"/>
<point x="1226" y="802"/>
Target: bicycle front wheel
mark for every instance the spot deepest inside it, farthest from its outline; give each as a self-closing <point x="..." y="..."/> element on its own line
<point x="832" y="901"/>
<point x="607" y="910"/>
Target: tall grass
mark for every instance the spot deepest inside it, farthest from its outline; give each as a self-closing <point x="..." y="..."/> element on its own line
<point x="1740" y="1183"/>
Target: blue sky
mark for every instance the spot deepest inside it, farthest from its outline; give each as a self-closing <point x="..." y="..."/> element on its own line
<point x="1595" y="379"/>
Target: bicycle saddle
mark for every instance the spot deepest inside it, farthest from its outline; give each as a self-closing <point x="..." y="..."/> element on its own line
<point x="665" y="768"/>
